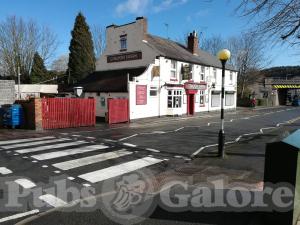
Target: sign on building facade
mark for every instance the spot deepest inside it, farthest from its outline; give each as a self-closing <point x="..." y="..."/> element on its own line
<point x="124" y="57"/>
<point x="141" y="94"/>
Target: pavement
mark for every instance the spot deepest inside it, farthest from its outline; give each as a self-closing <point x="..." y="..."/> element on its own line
<point x="169" y="149"/>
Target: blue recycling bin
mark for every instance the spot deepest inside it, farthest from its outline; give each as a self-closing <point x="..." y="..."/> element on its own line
<point x="13" y="116"/>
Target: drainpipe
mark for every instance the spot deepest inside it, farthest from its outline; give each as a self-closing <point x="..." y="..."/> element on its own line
<point x="159" y="93"/>
<point x="128" y="90"/>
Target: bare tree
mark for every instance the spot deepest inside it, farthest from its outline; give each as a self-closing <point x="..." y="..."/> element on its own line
<point x="60" y="64"/>
<point x="247" y="55"/>
<point x="19" y="40"/>
<point x="213" y="44"/>
<point x="98" y="33"/>
<point x="276" y="19"/>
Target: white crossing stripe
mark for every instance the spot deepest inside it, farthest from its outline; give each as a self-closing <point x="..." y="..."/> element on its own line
<point x="47" y="147"/>
<point x="35" y="143"/>
<point x="129" y="145"/>
<point x="19" y="215"/>
<point x="25" y="140"/>
<point x="90" y="160"/>
<point x="25" y="183"/>
<point x="74" y="151"/>
<point x="4" y="171"/>
<point x="118" y="170"/>
<point x="52" y="200"/>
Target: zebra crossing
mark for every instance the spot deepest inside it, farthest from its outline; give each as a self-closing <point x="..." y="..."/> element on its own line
<point x="83" y="162"/>
<point x="56" y="152"/>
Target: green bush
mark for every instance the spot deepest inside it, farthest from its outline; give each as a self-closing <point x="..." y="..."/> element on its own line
<point x="244" y="102"/>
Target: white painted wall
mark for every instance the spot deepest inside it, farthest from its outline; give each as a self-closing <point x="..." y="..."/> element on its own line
<point x="157" y="106"/>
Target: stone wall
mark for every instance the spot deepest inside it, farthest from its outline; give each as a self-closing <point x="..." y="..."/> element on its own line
<point x="7" y="92"/>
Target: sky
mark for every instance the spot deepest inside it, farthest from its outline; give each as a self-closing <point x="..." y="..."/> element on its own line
<point x="208" y="17"/>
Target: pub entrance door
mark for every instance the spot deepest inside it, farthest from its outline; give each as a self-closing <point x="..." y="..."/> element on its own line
<point x="190" y="104"/>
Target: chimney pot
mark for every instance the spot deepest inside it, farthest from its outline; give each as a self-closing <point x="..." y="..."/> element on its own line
<point x="193" y="42"/>
<point x="144" y="22"/>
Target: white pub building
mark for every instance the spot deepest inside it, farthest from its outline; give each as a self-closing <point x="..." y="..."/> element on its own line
<point x="158" y="76"/>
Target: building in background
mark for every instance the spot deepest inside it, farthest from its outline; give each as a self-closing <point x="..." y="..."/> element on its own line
<point x="276" y="87"/>
<point x="158" y="76"/>
<point x="7" y="92"/>
<point x="28" y="91"/>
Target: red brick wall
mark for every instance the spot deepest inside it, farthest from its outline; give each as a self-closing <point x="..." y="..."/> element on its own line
<point x="32" y="113"/>
<point x="38" y="113"/>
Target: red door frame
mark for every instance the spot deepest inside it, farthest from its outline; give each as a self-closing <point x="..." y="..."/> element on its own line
<point x="190" y="94"/>
<point x="190" y="104"/>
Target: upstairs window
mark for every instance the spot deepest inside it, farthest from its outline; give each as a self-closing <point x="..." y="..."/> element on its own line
<point x="123" y="42"/>
<point x="202" y="73"/>
<point x="173" y="69"/>
<point x="231" y="78"/>
<point x="215" y="73"/>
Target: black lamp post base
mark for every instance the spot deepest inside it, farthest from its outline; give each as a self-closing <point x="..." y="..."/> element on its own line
<point x="221" y="143"/>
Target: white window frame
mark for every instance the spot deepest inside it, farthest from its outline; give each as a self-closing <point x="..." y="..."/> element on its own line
<point x="218" y="104"/>
<point x="229" y="101"/>
<point x="202" y="73"/>
<point x="231" y="77"/>
<point x="123" y="42"/>
<point x="202" y="98"/>
<point x="173" y="69"/>
<point x="153" y="89"/>
<point x="215" y="73"/>
<point x="175" y="98"/>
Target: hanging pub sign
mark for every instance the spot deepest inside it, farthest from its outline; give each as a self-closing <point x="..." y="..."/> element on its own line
<point x="195" y="86"/>
<point x="141" y="94"/>
<point x="155" y="71"/>
<point x="124" y="57"/>
<point x="186" y="72"/>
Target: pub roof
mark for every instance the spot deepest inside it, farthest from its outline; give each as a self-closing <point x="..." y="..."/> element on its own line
<point x="109" y="80"/>
<point x="177" y="51"/>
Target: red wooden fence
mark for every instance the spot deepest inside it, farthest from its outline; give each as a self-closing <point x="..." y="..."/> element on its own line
<point x="118" y="110"/>
<point x="68" y="112"/>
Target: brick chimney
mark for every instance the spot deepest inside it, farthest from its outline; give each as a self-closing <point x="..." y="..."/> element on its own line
<point x="193" y="44"/>
<point x="144" y="23"/>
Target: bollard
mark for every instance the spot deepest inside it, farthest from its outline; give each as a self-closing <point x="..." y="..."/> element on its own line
<point x="282" y="169"/>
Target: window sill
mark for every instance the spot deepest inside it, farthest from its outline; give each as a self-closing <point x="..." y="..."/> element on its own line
<point x="123" y="50"/>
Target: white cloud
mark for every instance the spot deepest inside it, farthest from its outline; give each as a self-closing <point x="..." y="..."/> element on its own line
<point x="136" y="7"/>
<point x="140" y="7"/>
<point x="167" y="4"/>
<point x="198" y="14"/>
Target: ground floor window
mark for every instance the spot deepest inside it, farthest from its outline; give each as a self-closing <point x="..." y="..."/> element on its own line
<point x="229" y="99"/>
<point x="215" y="99"/>
<point x="153" y="91"/>
<point x="174" y="98"/>
<point x="202" y="98"/>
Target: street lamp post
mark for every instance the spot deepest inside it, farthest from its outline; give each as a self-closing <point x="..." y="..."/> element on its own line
<point x="223" y="56"/>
